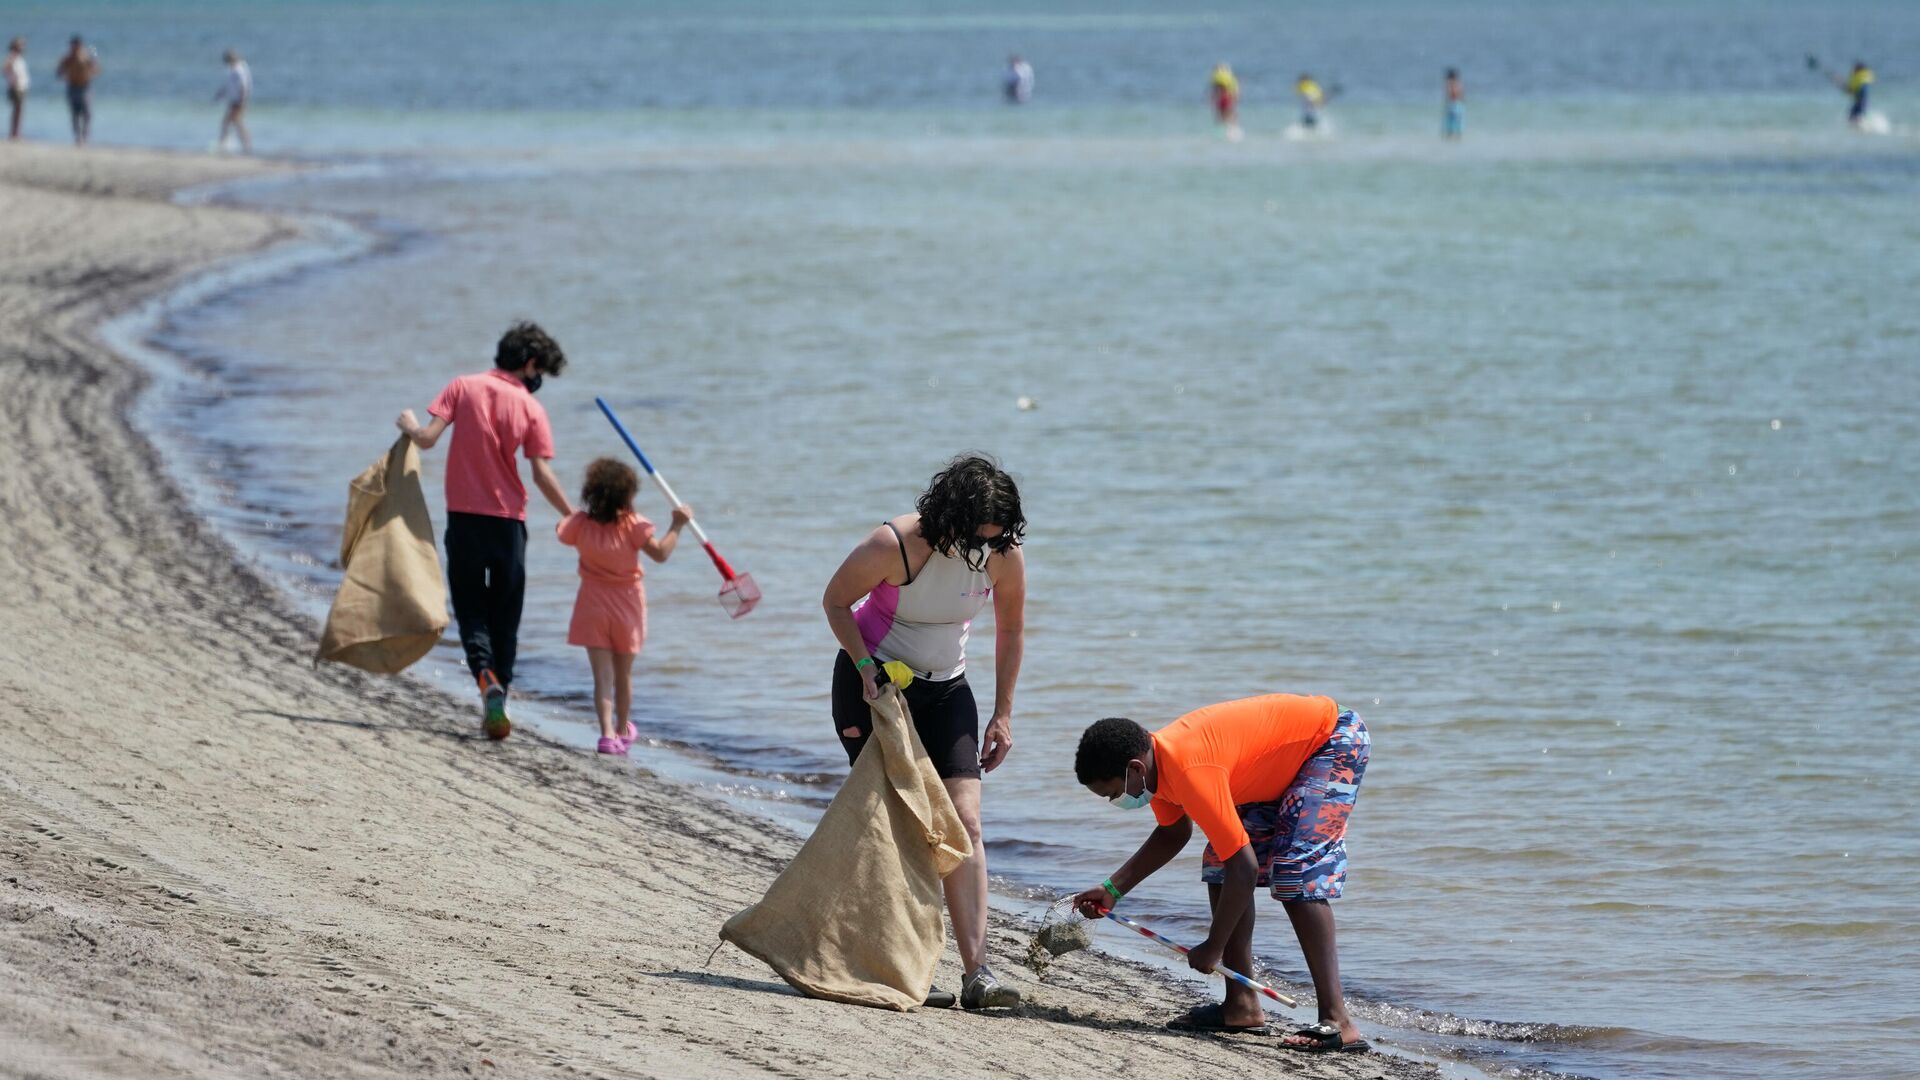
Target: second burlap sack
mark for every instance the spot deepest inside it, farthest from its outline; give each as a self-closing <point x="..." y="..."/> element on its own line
<point x="856" y="916"/>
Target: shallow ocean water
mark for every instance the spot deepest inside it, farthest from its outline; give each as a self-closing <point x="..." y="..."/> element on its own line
<point x="1577" y="458"/>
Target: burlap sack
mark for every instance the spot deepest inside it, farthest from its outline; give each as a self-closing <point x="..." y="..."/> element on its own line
<point x="855" y="916"/>
<point x="392" y="603"/>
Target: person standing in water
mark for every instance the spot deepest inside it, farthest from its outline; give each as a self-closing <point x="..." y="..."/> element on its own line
<point x="236" y="92"/>
<point x="1226" y="99"/>
<point x="909" y="592"/>
<point x="1453" y="124"/>
<point x="494" y="418"/>
<point x="1019" y="81"/>
<point x="1856" y="84"/>
<point x="78" y="68"/>
<point x="1312" y="97"/>
<point x="17" y="82"/>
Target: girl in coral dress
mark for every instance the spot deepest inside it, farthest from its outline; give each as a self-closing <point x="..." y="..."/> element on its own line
<point x="610" y="612"/>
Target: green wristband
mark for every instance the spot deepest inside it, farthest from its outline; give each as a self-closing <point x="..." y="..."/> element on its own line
<point x="865" y="661"/>
<point x="1111" y="891"/>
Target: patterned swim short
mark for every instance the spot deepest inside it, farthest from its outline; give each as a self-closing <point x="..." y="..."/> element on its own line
<point x="1300" y="838"/>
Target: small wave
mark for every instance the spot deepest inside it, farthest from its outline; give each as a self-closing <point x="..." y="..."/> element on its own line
<point x="711" y="758"/>
<point x="1035" y="848"/>
<point x="779" y="795"/>
<point x="1835" y="929"/>
<point x="1511" y="1031"/>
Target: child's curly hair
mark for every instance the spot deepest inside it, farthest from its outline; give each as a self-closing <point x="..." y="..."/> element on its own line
<point x="609" y="489"/>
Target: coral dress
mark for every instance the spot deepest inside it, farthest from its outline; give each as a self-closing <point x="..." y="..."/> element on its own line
<point x="610" y="611"/>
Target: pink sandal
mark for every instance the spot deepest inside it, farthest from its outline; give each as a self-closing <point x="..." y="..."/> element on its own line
<point x="612" y="746"/>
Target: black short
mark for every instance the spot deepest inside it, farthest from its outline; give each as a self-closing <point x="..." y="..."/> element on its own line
<point x="944" y="713"/>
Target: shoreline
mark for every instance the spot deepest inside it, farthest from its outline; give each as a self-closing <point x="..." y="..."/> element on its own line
<point x="222" y="861"/>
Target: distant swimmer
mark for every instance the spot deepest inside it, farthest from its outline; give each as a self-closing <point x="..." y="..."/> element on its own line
<point x="1312" y="97"/>
<point x="236" y="92"/>
<point x="17" y="82"/>
<point x="78" y="68"/>
<point x="1857" y="84"/>
<point x="1226" y="100"/>
<point x="1454" y="123"/>
<point x="1019" y="81"/>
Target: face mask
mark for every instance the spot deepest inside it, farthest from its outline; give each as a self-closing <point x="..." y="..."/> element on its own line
<point x="1127" y="800"/>
<point x="533" y="382"/>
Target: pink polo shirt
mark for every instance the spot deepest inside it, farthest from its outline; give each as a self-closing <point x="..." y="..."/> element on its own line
<point x="493" y="418"/>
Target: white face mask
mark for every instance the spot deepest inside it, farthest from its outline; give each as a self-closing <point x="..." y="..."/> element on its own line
<point x="1127" y="800"/>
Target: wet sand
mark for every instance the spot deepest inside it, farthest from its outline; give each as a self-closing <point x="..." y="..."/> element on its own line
<point x="216" y="860"/>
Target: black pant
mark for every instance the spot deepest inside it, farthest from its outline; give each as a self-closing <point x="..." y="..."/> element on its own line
<point x="944" y="715"/>
<point x="487" y="575"/>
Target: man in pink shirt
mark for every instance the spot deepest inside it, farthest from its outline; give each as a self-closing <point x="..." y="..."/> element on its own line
<point x="494" y="417"/>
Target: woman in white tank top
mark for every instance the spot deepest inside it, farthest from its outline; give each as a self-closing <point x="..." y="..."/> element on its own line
<point x="910" y="592"/>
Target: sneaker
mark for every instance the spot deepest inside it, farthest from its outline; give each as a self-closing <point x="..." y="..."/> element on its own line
<point x="493" y="705"/>
<point x="981" y="990"/>
<point x="940" y="999"/>
<point x="612" y="746"/>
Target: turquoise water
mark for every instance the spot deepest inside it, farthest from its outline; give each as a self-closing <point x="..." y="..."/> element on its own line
<point x="1576" y="457"/>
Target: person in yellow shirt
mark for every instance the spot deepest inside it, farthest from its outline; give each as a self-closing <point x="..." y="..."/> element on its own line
<point x="1856" y="84"/>
<point x="1226" y="98"/>
<point x="1312" y="97"/>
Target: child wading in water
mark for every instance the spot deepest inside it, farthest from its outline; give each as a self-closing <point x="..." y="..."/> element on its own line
<point x="610" y="612"/>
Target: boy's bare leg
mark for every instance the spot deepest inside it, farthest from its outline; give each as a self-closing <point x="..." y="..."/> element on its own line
<point x="1242" y="1007"/>
<point x="1313" y="925"/>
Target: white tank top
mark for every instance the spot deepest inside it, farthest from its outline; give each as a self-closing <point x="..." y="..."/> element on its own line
<point x="923" y="624"/>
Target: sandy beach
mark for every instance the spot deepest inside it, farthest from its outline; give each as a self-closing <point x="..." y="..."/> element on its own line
<point x="220" y="861"/>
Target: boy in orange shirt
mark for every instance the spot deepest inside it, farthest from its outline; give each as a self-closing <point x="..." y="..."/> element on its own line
<point x="1271" y="781"/>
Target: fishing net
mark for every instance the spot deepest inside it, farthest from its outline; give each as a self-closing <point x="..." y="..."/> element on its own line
<point x="1061" y="931"/>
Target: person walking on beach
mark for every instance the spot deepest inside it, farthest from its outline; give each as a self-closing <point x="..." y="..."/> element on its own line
<point x="17" y="82"/>
<point x="494" y="416"/>
<point x="1453" y="122"/>
<point x="610" y="610"/>
<point x="236" y="91"/>
<point x="909" y="592"/>
<point x="78" y="68"/>
<point x="1018" y="83"/>
<point x="1225" y="89"/>
<point x="1312" y="98"/>
<point x="1856" y="85"/>
<point x="1271" y="781"/>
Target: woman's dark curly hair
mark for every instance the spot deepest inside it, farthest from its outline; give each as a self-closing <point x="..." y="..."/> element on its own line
<point x="525" y="342"/>
<point x="970" y="492"/>
<point x="609" y="489"/>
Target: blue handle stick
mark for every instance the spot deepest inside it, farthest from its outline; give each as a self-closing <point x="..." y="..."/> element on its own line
<point x="738" y="594"/>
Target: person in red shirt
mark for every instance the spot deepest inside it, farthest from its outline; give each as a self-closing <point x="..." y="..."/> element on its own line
<point x="494" y="417"/>
<point x="1271" y="781"/>
<point x="610" y="610"/>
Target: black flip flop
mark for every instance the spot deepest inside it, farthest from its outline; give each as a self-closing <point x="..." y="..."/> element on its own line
<point x="1326" y="1040"/>
<point x="1213" y="1018"/>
